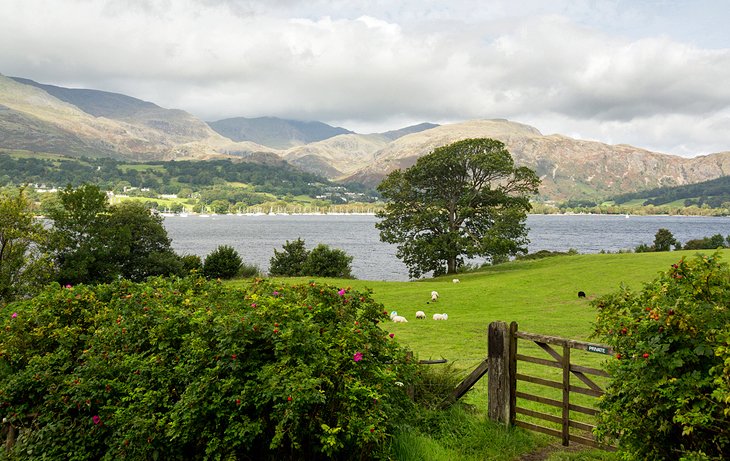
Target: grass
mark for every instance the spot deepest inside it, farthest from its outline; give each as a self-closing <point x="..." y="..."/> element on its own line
<point x="541" y="295"/>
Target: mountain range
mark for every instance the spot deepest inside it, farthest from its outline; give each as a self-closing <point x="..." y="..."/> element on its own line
<point x="83" y="122"/>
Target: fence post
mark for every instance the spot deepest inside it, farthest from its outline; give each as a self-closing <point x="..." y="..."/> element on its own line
<point x="500" y="376"/>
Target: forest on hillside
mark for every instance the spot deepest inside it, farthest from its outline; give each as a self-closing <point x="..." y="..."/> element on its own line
<point x="171" y="177"/>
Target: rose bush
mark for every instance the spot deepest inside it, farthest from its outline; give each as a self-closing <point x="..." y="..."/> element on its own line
<point x="670" y="393"/>
<point x="190" y="369"/>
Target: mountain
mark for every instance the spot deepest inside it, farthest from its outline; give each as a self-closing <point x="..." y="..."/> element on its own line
<point x="44" y="118"/>
<point x="275" y="132"/>
<point x="569" y="168"/>
<point x="80" y="122"/>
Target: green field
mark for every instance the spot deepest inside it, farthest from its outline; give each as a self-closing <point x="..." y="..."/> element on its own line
<point x="541" y="295"/>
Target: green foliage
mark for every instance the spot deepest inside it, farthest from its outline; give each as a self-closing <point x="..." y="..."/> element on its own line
<point x="295" y="261"/>
<point x="24" y="267"/>
<point x="713" y="193"/>
<point x="290" y="261"/>
<point x="222" y="263"/>
<point x="78" y="241"/>
<point x="191" y="264"/>
<point x="249" y="270"/>
<point x="324" y="261"/>
<point x="188" y="369"/>
<point x="465" y="199"/>
<point x="93" y="242"/>
<point x="664" y="241"/>
<point x="546" y="254"/>
<point x="141" y="247"/>
<point x="706" y="243"/>
<point x="669" y="396"/>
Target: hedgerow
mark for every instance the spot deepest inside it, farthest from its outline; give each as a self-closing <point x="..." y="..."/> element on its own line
<point x="189" y="369"/>
<point x="669" y="397"/>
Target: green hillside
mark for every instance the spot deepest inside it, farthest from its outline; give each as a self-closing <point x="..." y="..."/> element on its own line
<point x="713" y="193"/>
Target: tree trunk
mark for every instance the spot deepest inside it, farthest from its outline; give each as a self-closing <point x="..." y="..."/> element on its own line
<point x="451" y="266"/>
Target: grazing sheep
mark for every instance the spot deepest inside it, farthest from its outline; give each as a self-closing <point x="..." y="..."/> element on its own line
<point x="581" y="294"/>
<point x="434" y="295"/>
<point x="440" y="317"/>
<point x="456" y="281"/>
<point x="420" y="315"/>
<point x="399" y="319"/>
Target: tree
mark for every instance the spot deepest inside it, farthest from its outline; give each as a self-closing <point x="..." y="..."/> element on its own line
<point x="324" y="261"/>
<point x="79" y="237"/>
<point x="466" y="199"/>
<point x="664" y="240"/>
<point x="24" y="267"/>
<point x="290" y="261"/>
<point x="222" y="263"/>
<point x="141" y="247"/>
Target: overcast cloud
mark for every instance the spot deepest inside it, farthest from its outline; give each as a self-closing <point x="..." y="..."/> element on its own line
<point x="652" y="73"/>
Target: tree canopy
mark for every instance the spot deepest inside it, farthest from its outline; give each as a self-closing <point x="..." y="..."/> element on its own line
<point x="463" y="200"/>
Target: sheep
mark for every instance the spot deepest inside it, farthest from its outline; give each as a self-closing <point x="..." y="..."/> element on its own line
<point x="393" y="314"/>
<point x="456" y="281"/>
<point x="434" y="295"/>
<point x="399" y="319"/>
<point x="581" y="294"/>
<point x="440" y="316"/>
<point x="420" y="315"/>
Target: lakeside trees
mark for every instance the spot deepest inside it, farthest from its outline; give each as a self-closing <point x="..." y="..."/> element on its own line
<point x="465" y="199"/>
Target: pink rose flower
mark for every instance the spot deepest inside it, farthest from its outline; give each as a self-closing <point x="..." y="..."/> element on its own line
<point x="357" y="357"/>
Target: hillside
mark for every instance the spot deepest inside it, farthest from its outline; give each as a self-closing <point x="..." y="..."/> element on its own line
<point x="569" y="168"/>
<point x="80" y="122"/>
<point x="712" y="193"/>
<point x="274" y="132"/>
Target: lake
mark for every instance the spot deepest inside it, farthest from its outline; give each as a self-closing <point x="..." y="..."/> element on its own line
<point x="256" y="237"/>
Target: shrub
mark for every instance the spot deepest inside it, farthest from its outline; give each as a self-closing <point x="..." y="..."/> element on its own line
<point x="289" y="262"/>
<point x="222" y="263"/>
<point x="670" y="394"/>
<point x="191" y="263"/>
<point x="324" y="261"/>
<point x="189" y="369"/>
<point x="664" y="241"/>
<point x="706" y="243"/>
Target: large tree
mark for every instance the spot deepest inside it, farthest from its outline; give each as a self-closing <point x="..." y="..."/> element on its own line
<point x="463" y="200"/>
<point x="94" y="242"/>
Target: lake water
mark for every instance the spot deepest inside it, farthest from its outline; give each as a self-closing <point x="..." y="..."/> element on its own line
<point x="256" y="237"/>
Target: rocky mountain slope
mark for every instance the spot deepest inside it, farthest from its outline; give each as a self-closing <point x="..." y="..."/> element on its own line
<point x="46" y="118"/>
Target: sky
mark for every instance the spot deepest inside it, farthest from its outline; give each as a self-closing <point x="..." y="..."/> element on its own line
<point x="651" y="73"/>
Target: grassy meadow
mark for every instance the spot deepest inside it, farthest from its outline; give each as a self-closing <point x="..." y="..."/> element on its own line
<point x="541" y="295"/>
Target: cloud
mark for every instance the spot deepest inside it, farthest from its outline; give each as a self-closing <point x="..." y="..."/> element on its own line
<point x="367" y="67"/>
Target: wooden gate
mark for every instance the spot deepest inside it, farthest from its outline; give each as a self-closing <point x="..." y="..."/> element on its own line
<point x="569" y="369"/>
<point x="504" y="374"/>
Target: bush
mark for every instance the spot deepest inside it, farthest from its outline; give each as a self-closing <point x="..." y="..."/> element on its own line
<point x="191" y="263"/>
<point x="222" y="263"/>
<point x="670" y="393"/>
<point x="324" y="261"/>
<point x="289" y="262"/>
<point x="189" y="369"/>
<point x="706" y="243"/>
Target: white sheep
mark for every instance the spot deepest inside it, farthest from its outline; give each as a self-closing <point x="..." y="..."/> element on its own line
<point x="456" y="281"/>
<point x="434" y="295"/>
<point x="420" y="315"/>
<point x="440" y="316"/>
<point x="393" y="314"/>
<point x="399" y="319"/>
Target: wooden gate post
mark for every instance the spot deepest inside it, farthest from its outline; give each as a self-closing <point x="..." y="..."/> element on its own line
<point x="502" y="376"/>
